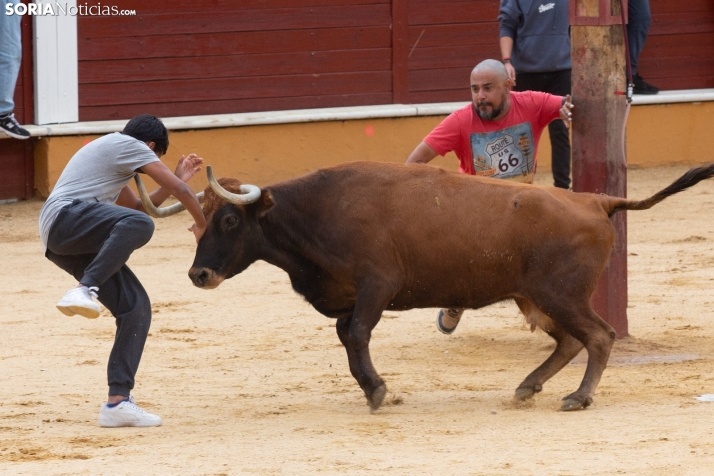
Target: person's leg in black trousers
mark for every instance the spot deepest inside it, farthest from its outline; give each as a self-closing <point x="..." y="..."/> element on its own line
<point x="124" y="296"/>
<point x="92" y="242"/>
<point x="558" y="83"/>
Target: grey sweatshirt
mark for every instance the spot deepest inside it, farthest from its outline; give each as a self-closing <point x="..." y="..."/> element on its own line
<point x="541" y="34"/>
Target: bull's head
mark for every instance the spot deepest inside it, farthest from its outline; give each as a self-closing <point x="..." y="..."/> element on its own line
<point x="232" y="231"/>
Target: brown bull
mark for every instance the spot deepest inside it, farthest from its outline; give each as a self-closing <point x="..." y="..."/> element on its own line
<point x="360" y="238"/>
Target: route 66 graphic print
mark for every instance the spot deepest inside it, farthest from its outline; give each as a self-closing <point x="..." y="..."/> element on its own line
<point x="505" y="154"/>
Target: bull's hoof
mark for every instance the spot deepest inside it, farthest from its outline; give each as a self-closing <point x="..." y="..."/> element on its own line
<point x="525" y="393"/>
<point x="573" y="403"/>
<point x="377" y="397"/>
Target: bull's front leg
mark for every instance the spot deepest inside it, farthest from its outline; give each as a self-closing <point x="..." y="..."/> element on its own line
<point x="355" y="333"/>
<point x="578" y="319"/>
<point x="566" y="349"/>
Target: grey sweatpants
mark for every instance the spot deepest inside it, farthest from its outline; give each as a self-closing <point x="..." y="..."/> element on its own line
<point x="92" y="242"/>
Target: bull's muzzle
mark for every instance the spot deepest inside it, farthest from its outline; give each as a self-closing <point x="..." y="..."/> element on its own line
<point x="204" y="278"/>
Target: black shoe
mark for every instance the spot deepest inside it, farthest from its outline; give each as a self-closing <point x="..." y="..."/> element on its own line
<point x="641" y="87"/>
<point x="11" y="127"/>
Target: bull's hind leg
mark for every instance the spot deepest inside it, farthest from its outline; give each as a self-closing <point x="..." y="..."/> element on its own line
<point x="355" y="332"/>
<point x="578" y="319"/>
<point x="567" y="347"/>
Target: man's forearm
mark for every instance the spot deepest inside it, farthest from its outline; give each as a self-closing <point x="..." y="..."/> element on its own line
<point x="159" y="196"/>
<point x="506" y="44"/>
<point x="188" y="199"/>
<point x="422" y="154"/>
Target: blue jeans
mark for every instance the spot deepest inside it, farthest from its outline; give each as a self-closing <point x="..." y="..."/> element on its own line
<point x="638" y="24"/>
<point x="10" y="56"/>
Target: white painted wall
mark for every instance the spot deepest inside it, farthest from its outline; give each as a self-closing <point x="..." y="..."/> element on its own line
<point x="56" y="71"/>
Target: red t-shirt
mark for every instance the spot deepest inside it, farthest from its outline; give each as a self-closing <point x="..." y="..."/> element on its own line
<point x="502" y="149"/>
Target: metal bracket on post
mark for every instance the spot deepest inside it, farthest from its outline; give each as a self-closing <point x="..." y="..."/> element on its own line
<point x="608" y="13"/>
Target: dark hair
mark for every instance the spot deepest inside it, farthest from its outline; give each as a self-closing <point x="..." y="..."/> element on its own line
<point x="148" y="128"/>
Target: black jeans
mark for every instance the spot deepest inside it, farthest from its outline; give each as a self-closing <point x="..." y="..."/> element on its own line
<point x="558" y="83"/>
<point x="92" y="242"/>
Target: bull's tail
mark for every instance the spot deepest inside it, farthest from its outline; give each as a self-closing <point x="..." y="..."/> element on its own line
<point x="689" y="179"/>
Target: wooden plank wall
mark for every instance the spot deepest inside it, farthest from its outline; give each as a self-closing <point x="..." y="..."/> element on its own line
<point x="447" y="38"/>
<point x="16" y="156"/>
<point x="221" y="56"/>
<point x="679" y="52"/>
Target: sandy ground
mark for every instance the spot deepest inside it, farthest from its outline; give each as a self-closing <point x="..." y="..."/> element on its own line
<point x="251" y="380"/>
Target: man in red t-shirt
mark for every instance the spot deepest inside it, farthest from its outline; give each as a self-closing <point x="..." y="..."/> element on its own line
<point x="495" y="136"/>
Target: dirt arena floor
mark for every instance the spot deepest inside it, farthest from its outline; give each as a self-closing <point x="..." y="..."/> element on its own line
<point x="251" y="380"/>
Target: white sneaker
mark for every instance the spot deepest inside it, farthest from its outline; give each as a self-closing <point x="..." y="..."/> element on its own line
<point x="127" y="413"/>
<point x="79" y="301"/>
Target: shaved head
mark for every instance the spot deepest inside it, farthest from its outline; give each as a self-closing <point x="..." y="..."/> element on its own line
<point x="491" y="90"/>
<point x="492" y="67"/>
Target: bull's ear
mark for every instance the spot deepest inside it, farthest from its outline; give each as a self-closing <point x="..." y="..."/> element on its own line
<point x="265" y="203"/>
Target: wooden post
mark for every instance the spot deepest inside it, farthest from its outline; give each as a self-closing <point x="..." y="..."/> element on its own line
<point x="599" y="166"/>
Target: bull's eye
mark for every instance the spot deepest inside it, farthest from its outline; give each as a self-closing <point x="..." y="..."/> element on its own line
<point x="229" y="222"/>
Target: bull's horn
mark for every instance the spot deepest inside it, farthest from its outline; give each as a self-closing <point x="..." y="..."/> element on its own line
<point x="249" y="193"/>
<point x="155" y="211"/>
